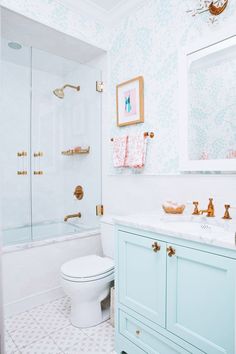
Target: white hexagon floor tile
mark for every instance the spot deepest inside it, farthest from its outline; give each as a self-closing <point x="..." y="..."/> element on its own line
<point x="49" y="318"/>
<point x="10" y="346"/>
<point x="27" y="335"/>
<point x="46" y="329"/>
<point x="44" y="346"/>
<point x="68" y="337"/>
<point x="63" y="305"/>
<point x="13" y="323"/>
<point x="103" y="335"/>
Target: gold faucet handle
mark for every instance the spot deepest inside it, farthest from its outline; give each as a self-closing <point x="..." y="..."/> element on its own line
<point x="196" y="210"/>
<point x="226" y="214"/>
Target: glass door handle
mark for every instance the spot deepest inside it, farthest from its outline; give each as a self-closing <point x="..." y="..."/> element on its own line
<point x="37" y="164"/>
<point x="22" y="173"/>
<point x="22" y="154"/>
<point x="22" y="163"/>
<point x="38" y="154"/>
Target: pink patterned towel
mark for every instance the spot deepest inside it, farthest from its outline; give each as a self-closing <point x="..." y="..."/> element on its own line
<point x="119" y="151"/>
<point x="136" y="151"/>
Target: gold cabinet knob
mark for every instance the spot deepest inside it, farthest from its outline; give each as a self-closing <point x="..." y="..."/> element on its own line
<point x="171" y="251"/>
<point x="156" y="247"/>
<point x="137" y="332"/>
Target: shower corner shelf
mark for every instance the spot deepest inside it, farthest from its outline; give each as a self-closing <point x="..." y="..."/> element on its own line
<point x="76" y="152"/>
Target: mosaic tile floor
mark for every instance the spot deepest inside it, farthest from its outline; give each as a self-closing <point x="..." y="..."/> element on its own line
<point x="46" y="329"/>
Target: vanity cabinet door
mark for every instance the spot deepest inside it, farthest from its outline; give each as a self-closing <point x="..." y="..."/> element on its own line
<point x="142" y="275"/>
<point x="201" y="299"/>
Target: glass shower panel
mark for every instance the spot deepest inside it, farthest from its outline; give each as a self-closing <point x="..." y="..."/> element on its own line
<point x="15" y="120"/>
<point x="59" y="125"/>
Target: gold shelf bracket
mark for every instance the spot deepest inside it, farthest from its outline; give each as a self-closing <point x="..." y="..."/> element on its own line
<point x="76" y="152"/>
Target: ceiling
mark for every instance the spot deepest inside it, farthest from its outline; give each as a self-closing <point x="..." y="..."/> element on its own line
<point x="29" y="33"/>
<point x="107" y="4"/>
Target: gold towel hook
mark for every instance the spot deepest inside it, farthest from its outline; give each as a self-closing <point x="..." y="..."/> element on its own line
<point x="146" y="134"/>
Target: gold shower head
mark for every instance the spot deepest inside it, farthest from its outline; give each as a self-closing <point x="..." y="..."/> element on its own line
<point x="59" y="92"/>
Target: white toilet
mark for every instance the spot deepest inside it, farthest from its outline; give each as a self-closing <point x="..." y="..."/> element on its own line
<point x="87" y="280"/>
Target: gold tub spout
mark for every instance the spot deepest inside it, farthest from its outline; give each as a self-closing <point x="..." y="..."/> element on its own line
<point x="210" y="209"/>
<point x="78" y="215"/>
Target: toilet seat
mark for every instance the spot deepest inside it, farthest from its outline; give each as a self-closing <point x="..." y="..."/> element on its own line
<point x="86" y="269"/>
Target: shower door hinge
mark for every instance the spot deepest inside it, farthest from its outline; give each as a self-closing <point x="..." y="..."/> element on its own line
<point x="99" y="86"/>
<point x="99" y="210"/>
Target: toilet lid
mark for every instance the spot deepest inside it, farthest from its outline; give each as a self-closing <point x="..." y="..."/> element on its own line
<point x="86" y="267"/>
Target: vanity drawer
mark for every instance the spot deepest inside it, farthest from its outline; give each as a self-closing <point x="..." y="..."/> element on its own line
<point x="146" y="338"/>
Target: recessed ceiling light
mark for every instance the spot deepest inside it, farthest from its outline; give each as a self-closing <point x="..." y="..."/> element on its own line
<point x="14" y="45"/>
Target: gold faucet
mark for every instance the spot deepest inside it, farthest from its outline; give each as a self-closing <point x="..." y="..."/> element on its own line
<point x="196" y="211"/>
<point x="78" y="215"/>
<point x="226" y="214"/>
<point x="210" y="209"/>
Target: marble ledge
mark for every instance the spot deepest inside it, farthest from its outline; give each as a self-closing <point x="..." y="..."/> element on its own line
<point x="50" y="241"/>
<point x="165" y="224"/>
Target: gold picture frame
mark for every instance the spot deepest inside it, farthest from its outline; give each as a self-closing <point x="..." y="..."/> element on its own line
<point x="130" y="102"/>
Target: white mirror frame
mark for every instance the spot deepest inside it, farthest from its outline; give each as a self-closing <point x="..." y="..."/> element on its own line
<point x="196" y="52"/>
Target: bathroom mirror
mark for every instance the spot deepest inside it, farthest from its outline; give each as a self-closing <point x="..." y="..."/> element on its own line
<point x="208" y="106"/>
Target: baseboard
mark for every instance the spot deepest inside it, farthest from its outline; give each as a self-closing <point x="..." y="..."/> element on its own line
<point x="29" y="302"/>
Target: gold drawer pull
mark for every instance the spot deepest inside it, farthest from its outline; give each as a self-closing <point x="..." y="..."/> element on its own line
<point x="171" y="251"/>
<point x="22" y="173"/>
<point x="156" y="247"/>
<point x="38" y="172"/>
<point x="138" y="332"/>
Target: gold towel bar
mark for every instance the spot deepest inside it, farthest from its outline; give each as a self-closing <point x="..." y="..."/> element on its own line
<point x="151" y="135"/>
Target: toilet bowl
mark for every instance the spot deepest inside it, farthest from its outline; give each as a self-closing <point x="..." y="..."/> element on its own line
<point x="87" y="281"/>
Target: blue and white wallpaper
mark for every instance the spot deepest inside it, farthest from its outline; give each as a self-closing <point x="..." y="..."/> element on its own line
<point x="145" y="42"/>
<point x="212" y="111"/>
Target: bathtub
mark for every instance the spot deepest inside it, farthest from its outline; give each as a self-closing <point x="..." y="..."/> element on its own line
<point x="27" y="235"/>
<point x="31" y="268"/>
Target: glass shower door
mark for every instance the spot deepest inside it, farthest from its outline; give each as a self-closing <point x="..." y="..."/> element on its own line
<point x="15" y="120"/>
<point x="60" y="125"/>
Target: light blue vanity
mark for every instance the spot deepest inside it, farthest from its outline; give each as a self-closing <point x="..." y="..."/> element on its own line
<point x="175" y="293"/>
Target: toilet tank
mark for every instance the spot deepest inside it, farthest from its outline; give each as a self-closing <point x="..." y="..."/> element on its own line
<point x="107" y="236"/>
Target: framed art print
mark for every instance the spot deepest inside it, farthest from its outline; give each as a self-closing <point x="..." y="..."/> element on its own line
<point x="129" y="102"/>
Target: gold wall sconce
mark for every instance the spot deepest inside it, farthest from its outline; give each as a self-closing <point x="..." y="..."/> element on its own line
<point x="213" y="7"/>
<point x="79" y="192"/>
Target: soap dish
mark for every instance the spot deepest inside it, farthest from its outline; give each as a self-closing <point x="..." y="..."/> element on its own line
<point x="173" y="208"/>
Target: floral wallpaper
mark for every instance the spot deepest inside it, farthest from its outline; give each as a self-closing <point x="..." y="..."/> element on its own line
<point x="212" y="127"/>
<point x="147" y="43"/>
<point x="144" y="42"/>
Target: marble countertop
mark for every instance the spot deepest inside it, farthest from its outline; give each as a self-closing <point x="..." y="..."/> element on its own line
<point x="211" y="231"/>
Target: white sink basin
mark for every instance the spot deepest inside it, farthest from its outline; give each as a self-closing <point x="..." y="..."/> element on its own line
<point x="202" y="229"/>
